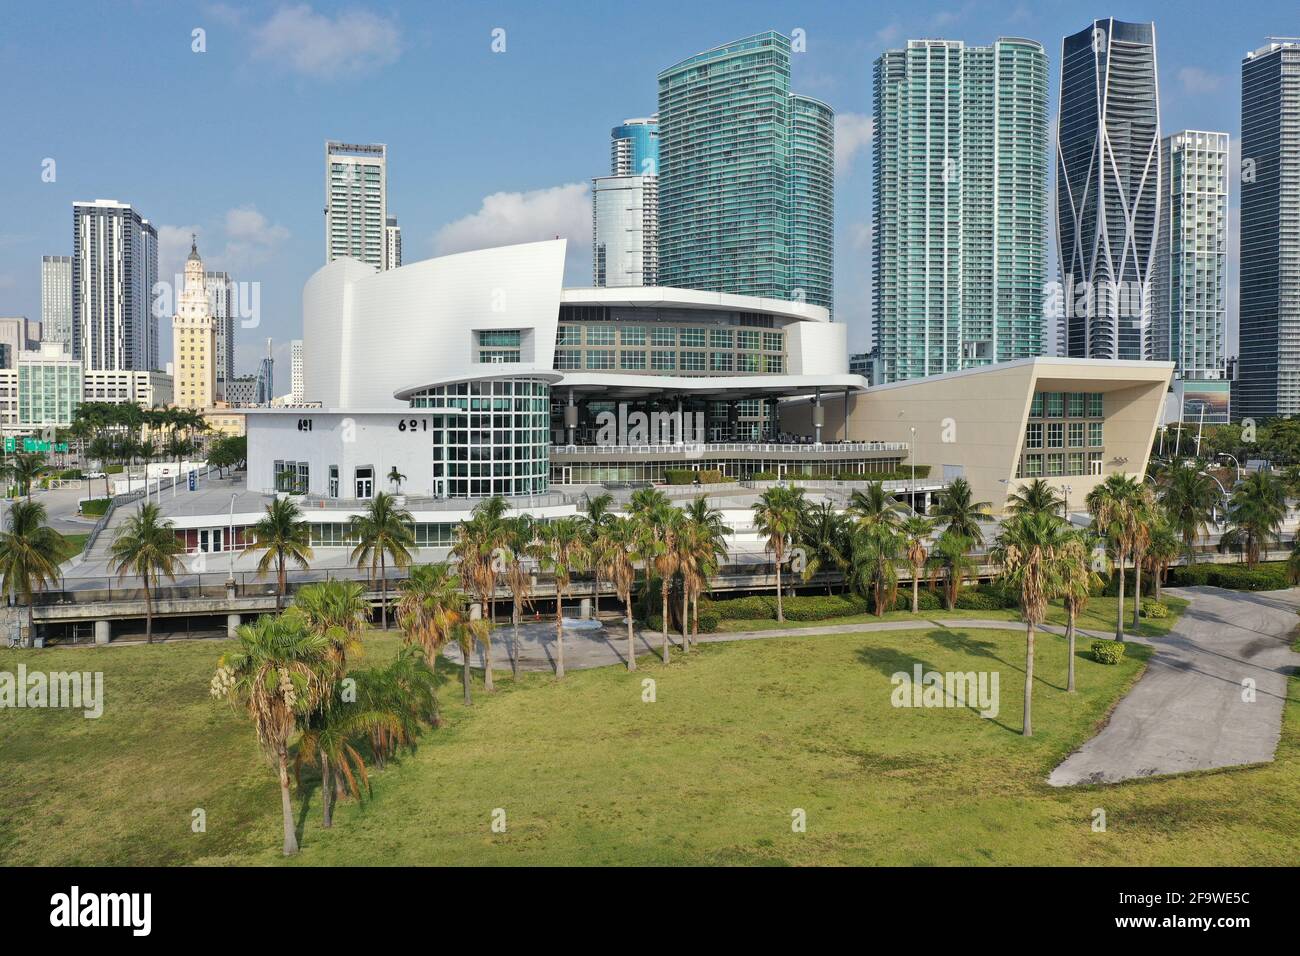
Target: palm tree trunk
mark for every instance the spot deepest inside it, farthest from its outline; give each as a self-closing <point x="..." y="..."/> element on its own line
<point x="279" y="597"/>
<point x="383" y="592"/>
<point x="487" y="654"/>
<point x="467" y="650"/>
<point x="286" y="805"/>
<point x="1137" y="589"/>
<point x="1028" y="728"/>
<point x="514" y="642"/>
<point x="916" y="588"/>
<point x="631" y="644"/>
<point x="327" y="807"/>
<point x="31" y="622"/>
<point x="559" y="634"/>
<point x="780" y="612"/>
<point x="1119" y="609"/>
<point x="148" y="612"/>
<point x="686" y="619"/>
<point x="595" y="594"/>
<point x="663" y="593"/>
<point x="1069" y="638"/>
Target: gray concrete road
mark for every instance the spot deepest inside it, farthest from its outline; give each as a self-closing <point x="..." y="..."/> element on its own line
<point x="1188" y="712"/>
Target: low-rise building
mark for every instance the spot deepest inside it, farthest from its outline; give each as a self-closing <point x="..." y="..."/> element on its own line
<point x="120" y="386"/>
<point x="49" y="387"/>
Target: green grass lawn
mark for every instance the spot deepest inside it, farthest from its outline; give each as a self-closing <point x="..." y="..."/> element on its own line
<point x="586" y="772"/>
<point x="1099" y="615"/>
<point x="76" y="543"/>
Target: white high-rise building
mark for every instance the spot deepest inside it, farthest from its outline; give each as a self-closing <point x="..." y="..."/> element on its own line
<point x="221" y="305"/>
<point x="392" y="244"/>
<point x="356" y="201"/>
<point x="295" y="350"/>
<point x="114" y="270"/>
<point x="194" y="340"/>
<point x="1190" y="288"/>
<point x="56" y="299"/>
<point x="625" y="231"/>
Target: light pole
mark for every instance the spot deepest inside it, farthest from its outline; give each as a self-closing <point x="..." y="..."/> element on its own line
<point x="1233" y="459"/>
<point x="1067" y="489"/>
<point x="911" y="453"/>
<point x="230" y="542"/>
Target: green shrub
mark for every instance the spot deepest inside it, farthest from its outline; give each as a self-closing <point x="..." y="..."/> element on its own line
<point x="926" y="600"/>
<point x="1270" y="576"/>
<point x="763" y="476"/>
<point x="113" y="469"/>
<point x="756" y="607"/>
<point x="679" y="476"/>
<point x="711" y="476"/>
<point x="1108" y="652"/>
<point x="69" y="474"/>
<point x="1154" y="609"/>
<point x="821" y="607"/>
<point x="709" y="620"/>
<point x="980" y="599"/>
<point x="94" y="507"/>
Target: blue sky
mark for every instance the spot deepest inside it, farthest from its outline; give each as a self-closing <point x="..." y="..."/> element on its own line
<point x="483" y="147"/>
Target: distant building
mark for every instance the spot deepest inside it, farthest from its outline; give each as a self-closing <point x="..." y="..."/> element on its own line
<point x="225" y="421"/>
<point x="194" y="339"/>
<point x="114" y="271"/>
<point x="49" y="387"/>
<point x="120" y="387"/>
<point x="392" y="244"/>
<point x="266" y="378"/>
<point x="356" y="202"/>
<point x="222" y="307"/>
<point x="241" y="392"/>
<point x="625" y="208"/>
<point x="296" y="395"/>
<point x="56" y="299"/>
<point x="17" y="334"/>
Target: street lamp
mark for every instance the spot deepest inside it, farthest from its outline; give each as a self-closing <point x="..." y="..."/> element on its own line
<point x="230" y="541"/>
<point x="1233" y="459"/>
<point x="1067" y="489"/>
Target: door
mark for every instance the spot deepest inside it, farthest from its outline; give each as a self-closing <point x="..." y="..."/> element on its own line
<point x="365" y="482"/>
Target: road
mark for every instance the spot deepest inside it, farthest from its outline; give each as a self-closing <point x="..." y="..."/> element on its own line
<point x="1192" y="709"/>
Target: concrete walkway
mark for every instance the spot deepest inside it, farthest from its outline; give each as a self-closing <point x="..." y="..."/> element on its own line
<point x="1187" y="711"/>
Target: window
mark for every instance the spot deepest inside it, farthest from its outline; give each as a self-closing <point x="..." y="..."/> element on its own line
<point x="663" y="361"/>
<point x="692" y="362"/>
<point x="632" y="335"/>
<point x="1055" y="435"/>
<point x="600" y="360"/>
<point x="1076" y="463"/>
<point x="1036" y="406"/>
<point x="720" y="338"/>
<point x="1095" y="434"/>
<point x="772" y="342"/>
<point x="774" y="363"/>
<point x="746" y="362"/>
<point x="1033" y="466"/>
<point x="663" y="335"/>
<point x="1076" y="404"/>
<point x="291" y="476"/>
<point x="365" y="482"/>
<point x="334" y="481"/>
<point x="1076" y="434"/>
<point x="691" y="339"/>
<point x="631" y="361"/>
<point x="499" y="338"/>
<point x="747" y="339"/>
<point x="720" y="361"/>
<point x="569" y="335"/>
<point x="1034" y="435"/>
<point x="1055" y="465"/>
<point x="1094" y="463"/>
<point x="568" y="358"/>
<point x="492" y="356"/>
<point x="1096" y="406"/>
<point x="1055" y="404"/>
<point x="600" y="335"/>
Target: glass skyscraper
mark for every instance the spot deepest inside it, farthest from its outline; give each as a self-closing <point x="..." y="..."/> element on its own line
<point x="960" y="205"/>
<point x="1268" y="381"/>
<point x="1108" y="187"/>
<point x="625" y="208"/>
<point x="634" y="147"/>
<point x="745" y="188"/>
<point x="356" y="202"/>
<point x="114" y="272"/>
<point x="1189" y="289"/>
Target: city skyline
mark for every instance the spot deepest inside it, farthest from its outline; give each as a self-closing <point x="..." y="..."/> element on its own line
<point x="264" y="228"/>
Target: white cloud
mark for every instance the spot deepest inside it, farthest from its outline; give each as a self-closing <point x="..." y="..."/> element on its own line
<point x="860" y="236"/>
<point x="250" y="237"/>
<point x="316" y="45"/>
<point x="511" y="217"/>
<point x="853" y="132"/>
<point x="1196" y="81"/>
<point x="173" y="247"/>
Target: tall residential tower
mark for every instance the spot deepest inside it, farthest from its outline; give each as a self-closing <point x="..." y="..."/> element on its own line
<point x="625" y="208"/>
<point x="1108" y="188"/>
<point x="114" y="270"/>
<point x="1268" y="381"/>
<point x="356" y="202"/>
<point x="745" y="169"/>
<point x="56" y="300"/>
<point x="959" y="214"/>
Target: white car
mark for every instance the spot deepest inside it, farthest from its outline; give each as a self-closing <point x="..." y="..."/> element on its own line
<point x="94" y="474"/>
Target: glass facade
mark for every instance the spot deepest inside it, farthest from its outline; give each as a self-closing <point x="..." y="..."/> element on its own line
<point x="595" y="472"/>
<point x="1108" y="188"/>
<point x="625" y="231"/>
<point x="1065" y="435"/>
<point x="48" y="392"/>
<point x="959" y="207"/>
<point x="488" y="437"/>
<point x="745" y="197"/>
<point x="356" y="201"/>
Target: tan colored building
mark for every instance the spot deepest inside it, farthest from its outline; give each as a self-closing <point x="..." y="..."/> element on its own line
<point x="225" y="421"/>
<point x="1071" y="421"/>
<point x="194" y="340"/>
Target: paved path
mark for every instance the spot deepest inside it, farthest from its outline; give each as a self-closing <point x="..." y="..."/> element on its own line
<point x="1186" y="712"/>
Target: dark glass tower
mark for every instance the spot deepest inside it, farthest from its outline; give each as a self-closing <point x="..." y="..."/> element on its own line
<point x="1108" y="187"/>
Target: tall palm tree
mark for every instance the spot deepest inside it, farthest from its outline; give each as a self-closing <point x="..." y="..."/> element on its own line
<point x="877" y="549"/>
<point x="337" y="610"/>
<point x="279" y="674"/>
<point x="1255" y="512"/>
<point x="956" y="512"/>
<point x="1116" y="505"/>
<point x="874" y="507"/>
<point x="824" y="537"/>
<point x="916" y="531"/>
<point x="520" y="539"/>
<point x="777" y="516"/>
<point x="1189" y="498"/>
<point x="146" y="546"/>
<point x="25" y="468"/>
<point x="432" y="612"/>
<point x="1146" y="514"/>
<point x="596" y="515"/>
<point x="1161" y="551"/>
<point x="562" y="551"/>
<point x="1036" y="496"/>
<point x="479" y="546"/>
<point x="657" y="521"/>
<point x="30" y="552"/>
<point x="620" y="567"/>
<point x="1077" y="581"/>
<point x="396" y="478"/>
<point x="951" y="562"/>
<point x="383" y="533"/>
<point x="1028" y="552"/>
<point x="703" y="549"/>
<point x="285" y="536"/>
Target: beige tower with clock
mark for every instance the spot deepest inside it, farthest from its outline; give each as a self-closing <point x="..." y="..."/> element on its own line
<point x="194" y="339"/>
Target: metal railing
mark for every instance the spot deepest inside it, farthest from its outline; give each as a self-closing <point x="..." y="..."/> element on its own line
<point x="721" y="448"/>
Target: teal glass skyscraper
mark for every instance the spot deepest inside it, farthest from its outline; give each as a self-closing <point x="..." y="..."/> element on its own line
<point x="746" y="176"/>
<point x="959" y="257"/>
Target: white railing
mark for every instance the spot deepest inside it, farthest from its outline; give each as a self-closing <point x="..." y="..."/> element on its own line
<point x="718" y="448"/>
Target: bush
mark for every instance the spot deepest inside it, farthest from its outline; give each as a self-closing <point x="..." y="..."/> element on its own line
<point x="711" y="476"/>
<point x="113" y="469"/>
<point x="94" y="507"/>
<point x="763" y="476"/>
<point x="981" y="599"/>
<point x="69" y="474"/>
<point x="820" y="607"/>
<point x="1270" y="576"/>
<point x="1108" y="652"/>
<point x="926" y="600"/>
<point x="679" y="476"/>
<point x="1154" y="609"/>
<point x="753" y="608"/>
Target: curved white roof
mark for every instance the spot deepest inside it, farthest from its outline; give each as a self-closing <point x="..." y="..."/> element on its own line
<point x="664" y="297"/>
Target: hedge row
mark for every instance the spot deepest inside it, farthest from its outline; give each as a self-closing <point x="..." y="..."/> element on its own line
<point x="689" y="476"/>
<point x="1236" y="577"/>
<point x="902" y="474"/>
<point x="94" y="507"/>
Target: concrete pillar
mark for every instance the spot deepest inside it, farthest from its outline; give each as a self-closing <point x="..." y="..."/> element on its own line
<point x="232" y="624"/>
<point x="584" y="609"/>
<point x="476" y="611"/>
<point x="103" y="632"/>
<point x="571" y="418"/>
<point x="818" y="417"/>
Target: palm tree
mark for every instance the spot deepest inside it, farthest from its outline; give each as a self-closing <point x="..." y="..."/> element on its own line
<point x="1036" y="496"/>
<point x="285" y="536"/>
<point x="479" y="546"/>
<point x="595" y="516"/>
<point x="519" y="542"/>
<point x="656" y="522"/>
<point x="25" y="468"/>
<point x="432" y="612"/>
<point x="1189" y="497"/>
<point x="877" y="549"/>
<point x="704" y="547"/>
<point x="875" y="507"/>
<point x="383" y="532"/>
<point x="957" y="513"/>
<point x="1078" y="578"/>
<point x="824" y="537"/>
<point x="30" y="552"/>
<point x="916" y="531"/>
<point x="1255" y="512"/>
<point x="1115" y="506"/>
<point x="620" y="567"/>
<point x="950" y="561"/>
<point x="337" y="610"/>
<point x="146" y="545"/>
<point x="562" y="550"/>
<point x="280" y="674"/>
<point x="396" y="478"/>
<point x="1162" y="550"/>
<point x="1146" y="514"/>
<point x="777" y="516"/>
<point x="1028" y="551"/>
